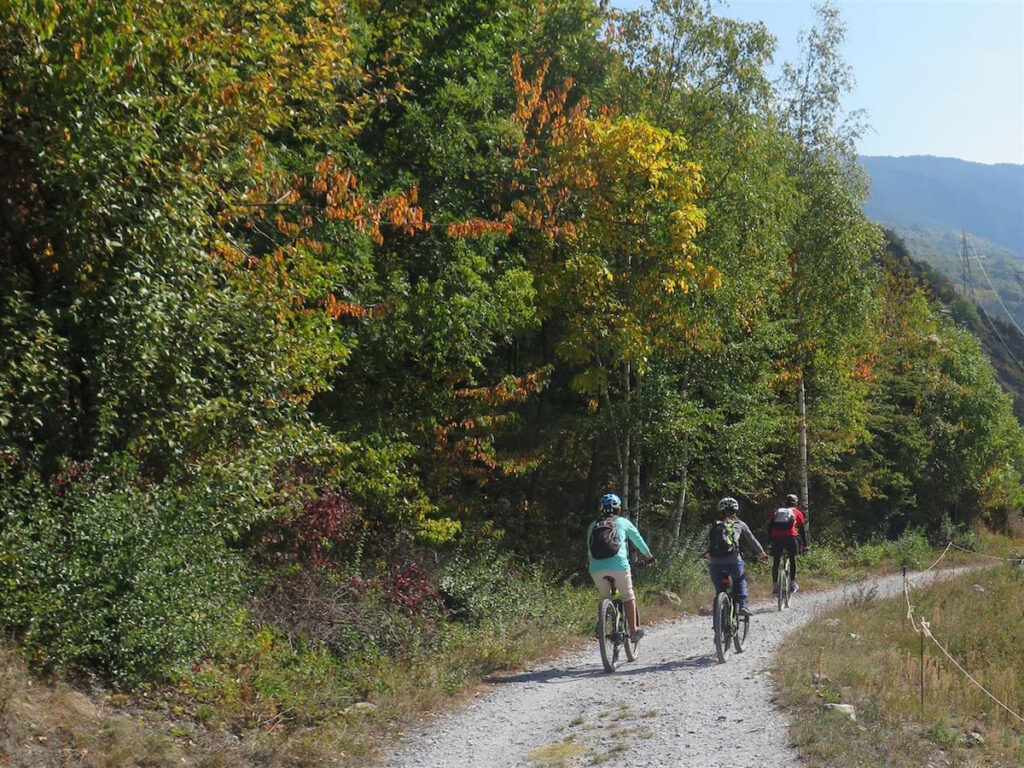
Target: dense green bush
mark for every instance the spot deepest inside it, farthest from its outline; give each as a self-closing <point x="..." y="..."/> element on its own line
<point x="490" y="589"/>
<point x="33" y="379"/>
<point x="684" y="569"/>
<point x="822" y="560"/>
<point x="910" y="549"/>
<point x="258" y="673"/>
<point x="103" y="575"/>
<point x="487" y="585"/>
<point x="868" y="555"/>
<point x="960" y="535"/>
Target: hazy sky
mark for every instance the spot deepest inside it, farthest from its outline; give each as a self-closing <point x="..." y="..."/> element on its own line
<point x="942" y="78"/>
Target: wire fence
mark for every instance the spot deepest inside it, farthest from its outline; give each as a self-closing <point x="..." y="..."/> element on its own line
<point x="923" y="629"/>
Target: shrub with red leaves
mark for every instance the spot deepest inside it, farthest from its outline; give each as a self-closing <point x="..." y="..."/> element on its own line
<point x="71" y="472"/>
<point x="409" y="587"/>
<point x="327" y="529"/>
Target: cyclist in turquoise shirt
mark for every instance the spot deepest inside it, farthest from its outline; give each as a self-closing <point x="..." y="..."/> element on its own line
<point x="617" y="566"/>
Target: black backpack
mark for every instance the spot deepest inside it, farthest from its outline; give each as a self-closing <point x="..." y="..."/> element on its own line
<point x="721" y="542"/>
<point x="605" y="541"/>
<point x="784" y="519"/>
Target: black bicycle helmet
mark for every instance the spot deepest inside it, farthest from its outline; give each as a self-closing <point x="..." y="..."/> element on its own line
<point x="729" y="505"/>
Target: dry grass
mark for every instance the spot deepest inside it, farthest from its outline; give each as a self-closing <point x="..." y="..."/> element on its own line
<point x="558" y="755"/>
<point x="868" y="655"/>
<point x="56" y="725"/>
<point x="52" y="724"/>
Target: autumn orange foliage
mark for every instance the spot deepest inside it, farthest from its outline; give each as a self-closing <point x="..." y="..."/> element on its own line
<point x="510" y="389"/>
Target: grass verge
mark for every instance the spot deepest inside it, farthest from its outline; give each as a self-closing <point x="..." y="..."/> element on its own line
<point x="867" y="654"/>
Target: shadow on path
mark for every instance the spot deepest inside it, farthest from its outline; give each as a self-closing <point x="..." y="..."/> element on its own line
<point x="690" y="662"/>
<point x="625" y="668"/>
<point x="547" y="675"/>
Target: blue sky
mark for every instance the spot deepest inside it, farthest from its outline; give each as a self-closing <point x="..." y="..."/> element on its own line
<point x="935" y="78"/>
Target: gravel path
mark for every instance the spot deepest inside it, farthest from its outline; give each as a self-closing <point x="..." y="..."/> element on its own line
<point x="675" y="706"/>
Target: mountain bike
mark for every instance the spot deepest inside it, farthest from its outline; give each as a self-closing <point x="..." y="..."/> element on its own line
<point x="730" y="627"/>
<point x="613" y="630"/>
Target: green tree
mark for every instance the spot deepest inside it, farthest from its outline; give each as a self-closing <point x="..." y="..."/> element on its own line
<point x="705" y="76"/>
<point x="174" y="239"/>
<point x="832" y="244"/>
<point x="430" y="372"/>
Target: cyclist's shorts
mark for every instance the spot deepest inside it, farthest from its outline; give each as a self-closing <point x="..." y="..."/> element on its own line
<point x="623" y="580"/>
<point x="782" y="544"/>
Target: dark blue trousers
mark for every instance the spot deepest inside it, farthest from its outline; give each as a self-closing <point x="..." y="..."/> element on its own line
<point x="739" y="579"/>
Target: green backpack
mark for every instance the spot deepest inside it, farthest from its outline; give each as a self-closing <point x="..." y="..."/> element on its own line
<point x="721" y="542"/>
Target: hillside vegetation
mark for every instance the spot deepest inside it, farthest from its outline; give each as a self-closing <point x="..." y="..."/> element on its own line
<point x="325" y="324"/>
<point x="1001" y="340"/>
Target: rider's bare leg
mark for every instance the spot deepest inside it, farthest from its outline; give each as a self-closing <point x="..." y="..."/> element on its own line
<point x="629" y="606"/>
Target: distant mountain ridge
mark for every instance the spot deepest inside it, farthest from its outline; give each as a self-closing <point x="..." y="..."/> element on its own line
<point x="922" y="192"/>
<point x="932" y="202"/>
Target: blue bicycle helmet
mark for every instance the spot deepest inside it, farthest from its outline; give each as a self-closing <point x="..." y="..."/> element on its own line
<point x="610" y="503"/>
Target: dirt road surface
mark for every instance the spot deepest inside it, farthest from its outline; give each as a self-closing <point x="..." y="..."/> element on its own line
<point x="676" y="706"/>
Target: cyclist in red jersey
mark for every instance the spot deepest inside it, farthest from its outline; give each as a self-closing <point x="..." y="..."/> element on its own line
<point x="787" y="531"/>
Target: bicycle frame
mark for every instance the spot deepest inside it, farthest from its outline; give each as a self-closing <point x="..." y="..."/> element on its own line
<point x="725" y="579"/>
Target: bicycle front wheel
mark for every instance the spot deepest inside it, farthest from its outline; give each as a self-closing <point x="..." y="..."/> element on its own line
<point x="607" y="629"/>
<point x="739" y="633"/>
<point x="723" y="610"/>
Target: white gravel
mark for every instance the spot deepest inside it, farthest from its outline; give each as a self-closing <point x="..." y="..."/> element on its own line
<point x="674" y="707"/>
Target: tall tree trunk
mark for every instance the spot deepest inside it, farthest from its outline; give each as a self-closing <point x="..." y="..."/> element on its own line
<point x="803" y="446"/>
<point x="592" y="488"/>
<point x="684" y="472"/>
<point x="627" y="444"/>
<point x="624" y="475"/>
<point x="634" y="485"/>
<point x="621" y="444"/>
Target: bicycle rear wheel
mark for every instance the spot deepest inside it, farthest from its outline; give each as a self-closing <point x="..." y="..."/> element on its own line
<point x="627" y="644"/>
<point x="607" y="629"/>
<point x="723" y="611"/>
<point x="783" y="583"/>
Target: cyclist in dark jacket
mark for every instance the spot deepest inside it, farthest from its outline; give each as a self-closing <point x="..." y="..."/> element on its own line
<point x="729" y="509"/>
